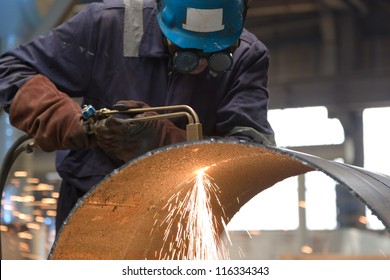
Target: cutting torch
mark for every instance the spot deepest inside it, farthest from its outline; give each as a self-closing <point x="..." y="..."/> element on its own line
<point x="193" y="127"/>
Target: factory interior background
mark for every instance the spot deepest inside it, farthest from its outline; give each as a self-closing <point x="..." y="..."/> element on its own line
<point x="329" y="96"/>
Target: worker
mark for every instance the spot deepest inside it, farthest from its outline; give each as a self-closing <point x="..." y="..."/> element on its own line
<point x="132" y="54"/>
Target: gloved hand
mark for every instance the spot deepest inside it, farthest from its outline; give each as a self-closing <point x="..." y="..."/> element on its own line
<point x="50" y="116"/>
<point x="126" y="138"/>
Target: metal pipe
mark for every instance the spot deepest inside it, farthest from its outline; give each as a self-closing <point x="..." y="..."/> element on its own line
<point x="123" y="216"/>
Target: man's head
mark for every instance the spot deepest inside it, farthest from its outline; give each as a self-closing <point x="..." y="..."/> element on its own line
<point x="207" y="26"/>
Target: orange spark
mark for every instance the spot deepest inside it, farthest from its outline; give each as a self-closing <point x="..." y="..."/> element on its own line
<point x="194" y="223"/>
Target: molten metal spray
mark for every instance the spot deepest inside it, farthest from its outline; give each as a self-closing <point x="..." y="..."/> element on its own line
<point x="196" y="233"/>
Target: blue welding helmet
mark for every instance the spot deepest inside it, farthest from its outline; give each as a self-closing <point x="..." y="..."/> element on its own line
<point x="206" y="25"/>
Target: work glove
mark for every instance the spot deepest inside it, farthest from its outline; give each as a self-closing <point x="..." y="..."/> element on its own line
<point x="126" y="138"/>
<point x="49" y="116"/>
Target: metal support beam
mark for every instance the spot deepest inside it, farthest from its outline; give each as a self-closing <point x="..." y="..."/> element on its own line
<point x="348" y="42"/>
<point x="359" y="5"/>
<point x="335" y="4"/>
<point x="282" y="9"/>
<point x="360" y="90"/>
<point x="329" y="45"/>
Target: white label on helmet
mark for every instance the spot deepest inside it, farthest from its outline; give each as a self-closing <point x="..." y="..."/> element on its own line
<point x="203" y="20"/>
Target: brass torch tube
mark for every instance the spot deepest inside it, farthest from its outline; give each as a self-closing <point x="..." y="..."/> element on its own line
<point x="193" y="128"/>
<point x="165" y="116"/>
<point x="192" y="113"/>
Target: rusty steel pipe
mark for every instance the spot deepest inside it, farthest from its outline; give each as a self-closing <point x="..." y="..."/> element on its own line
<point x="122" y="217"/>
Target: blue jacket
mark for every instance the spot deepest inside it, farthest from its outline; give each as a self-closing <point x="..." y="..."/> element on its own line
<point x="87" y="57"/>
